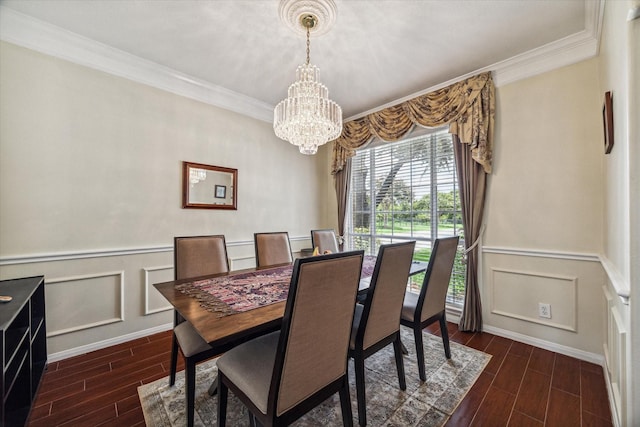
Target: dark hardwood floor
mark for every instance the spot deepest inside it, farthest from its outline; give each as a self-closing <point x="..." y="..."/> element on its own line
<point x="521" y="386"/>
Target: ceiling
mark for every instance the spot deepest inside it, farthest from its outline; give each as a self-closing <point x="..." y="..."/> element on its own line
<point x="378" y="51"/>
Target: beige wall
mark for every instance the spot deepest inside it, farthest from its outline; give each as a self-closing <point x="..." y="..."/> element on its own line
<point x="544" y="210"/>
<point x="90" y="190"/>
<point x="620" y="74"/>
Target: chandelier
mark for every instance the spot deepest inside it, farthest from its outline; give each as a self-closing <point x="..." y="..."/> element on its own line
<point x="307" y="118"/>
<point x="197" y="175"/>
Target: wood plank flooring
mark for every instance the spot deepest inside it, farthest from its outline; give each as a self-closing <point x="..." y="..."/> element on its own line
<point x="521" y="386"/>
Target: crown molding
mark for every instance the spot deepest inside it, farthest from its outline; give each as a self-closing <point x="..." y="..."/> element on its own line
<point x="569" y="50"/>
<point x="34" y="34"/>
<point x="40" y="36"/>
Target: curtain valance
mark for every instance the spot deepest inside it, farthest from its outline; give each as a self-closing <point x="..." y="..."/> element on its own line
<point x="468" y="107"/>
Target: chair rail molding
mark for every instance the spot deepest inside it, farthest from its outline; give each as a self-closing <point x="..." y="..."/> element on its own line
<point x="541" y="253"/>
<point x="100" y="253"/>
<point x="73" y="255"/>
<point x="619" y="283"/>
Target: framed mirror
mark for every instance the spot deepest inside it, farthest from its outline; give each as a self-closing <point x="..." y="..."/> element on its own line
<point x="209" y="187"/>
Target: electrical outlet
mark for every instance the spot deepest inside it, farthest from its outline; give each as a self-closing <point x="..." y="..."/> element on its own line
<point x="544" y="310"/>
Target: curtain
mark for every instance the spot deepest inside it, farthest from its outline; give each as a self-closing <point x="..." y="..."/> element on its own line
<point x="468" y="107"/>
<point x="341" y="181"/>
<point x="471" y="184"/>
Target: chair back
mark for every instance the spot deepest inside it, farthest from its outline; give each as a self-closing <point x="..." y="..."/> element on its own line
<point x="324" y="240"/>
<point x="433" y="294"/>
<point x="316" y="327"/>
<point x="195" y="256"/>
<point x="272" y="248"/>
<point x="383" y="304"/>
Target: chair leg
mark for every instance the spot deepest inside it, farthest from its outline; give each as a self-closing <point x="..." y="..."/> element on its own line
<point x="397" y="349"/>
<point x="445" y="336"/>
<point x="417" y="334"/>
<point x="174" y="360"/>
<point x="190" y="389"/>
<point x="222" y="405"/>
<point x="177" y="319"/>
<point x="213" y="388"/>
<point x="358" y="361"/>
<point x="345" y="404"/>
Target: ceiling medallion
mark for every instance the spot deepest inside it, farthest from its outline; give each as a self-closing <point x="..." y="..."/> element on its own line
<point x="324" y="12"/>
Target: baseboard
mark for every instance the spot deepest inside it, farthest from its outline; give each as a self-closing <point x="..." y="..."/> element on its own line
<point x="598" y="359"/>
<point x="54" y="357"/>
<point x="453" y="315"/>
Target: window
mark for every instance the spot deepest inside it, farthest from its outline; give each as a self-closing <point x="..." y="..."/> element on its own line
<point x="407" y="190"/>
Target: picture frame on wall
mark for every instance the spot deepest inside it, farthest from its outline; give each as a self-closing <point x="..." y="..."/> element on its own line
<point x="221" y="192"/>
<point x="607" y="120"/>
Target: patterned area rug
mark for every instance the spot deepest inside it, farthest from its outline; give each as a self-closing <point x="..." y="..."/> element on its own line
<point x="423" y="404"/>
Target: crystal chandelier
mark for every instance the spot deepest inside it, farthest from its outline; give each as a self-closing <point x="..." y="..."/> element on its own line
<point x="197" y="175"/>
<point x="307" y="118"/>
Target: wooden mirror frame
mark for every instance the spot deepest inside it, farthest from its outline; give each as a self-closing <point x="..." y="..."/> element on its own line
<point x="222" y="197"/>
<point x="607" y="121"/>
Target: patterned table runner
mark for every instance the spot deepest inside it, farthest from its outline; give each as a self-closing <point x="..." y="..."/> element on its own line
<point x="242" y="292"/>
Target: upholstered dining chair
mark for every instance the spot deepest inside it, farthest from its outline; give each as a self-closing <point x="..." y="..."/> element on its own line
<point x="376" y="322"/>
<point x="272" y="248"/>
<point x="194" y="256"/>
<point x="281" y="376"/>
<point x="421" y="310"/>
<point x="324" y="240"/>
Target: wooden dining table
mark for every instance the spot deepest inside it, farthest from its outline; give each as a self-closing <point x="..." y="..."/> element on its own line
<point x="224" y="332"/>
<point x="220" y="331"/>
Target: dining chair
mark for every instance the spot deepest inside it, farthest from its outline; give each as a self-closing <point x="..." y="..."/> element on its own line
<point x="376" y="322"/>
<point x="421" y="310"/>
<point x="324" y="240"/>
<point x="272" y="248"/>
<point x="194" y="256"/>
<point x="281" y="376"/>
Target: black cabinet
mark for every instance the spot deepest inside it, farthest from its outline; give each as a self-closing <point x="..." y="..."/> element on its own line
<point x="24" y="347"/>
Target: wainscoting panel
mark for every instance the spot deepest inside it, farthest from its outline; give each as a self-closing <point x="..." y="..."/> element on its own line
<point x="517" y="294"/>
<point x="242" y="262"/>
<point x="154" y="302"/>
<point x="615" y="350"/>
<point x="84" y="302"/>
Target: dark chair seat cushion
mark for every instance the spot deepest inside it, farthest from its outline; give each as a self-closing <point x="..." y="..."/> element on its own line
<point x="409" y="306"/>
<point x="190" y="340"/>
<point x="250" y="367"/>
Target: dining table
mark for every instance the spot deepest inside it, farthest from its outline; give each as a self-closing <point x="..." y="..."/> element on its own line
<point x="229" y="308"/>
<point x="218" y="325"/>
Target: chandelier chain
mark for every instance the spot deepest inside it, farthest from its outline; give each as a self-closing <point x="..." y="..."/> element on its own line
<point x="308" y="45"/>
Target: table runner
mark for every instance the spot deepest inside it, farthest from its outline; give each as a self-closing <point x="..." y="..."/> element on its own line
<point x="228" y="295"/>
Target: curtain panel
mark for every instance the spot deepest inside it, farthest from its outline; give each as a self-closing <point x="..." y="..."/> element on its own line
<point x="468" y="107"/>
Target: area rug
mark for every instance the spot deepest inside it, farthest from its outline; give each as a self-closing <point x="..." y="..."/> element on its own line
<point x="422" y="404"/>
